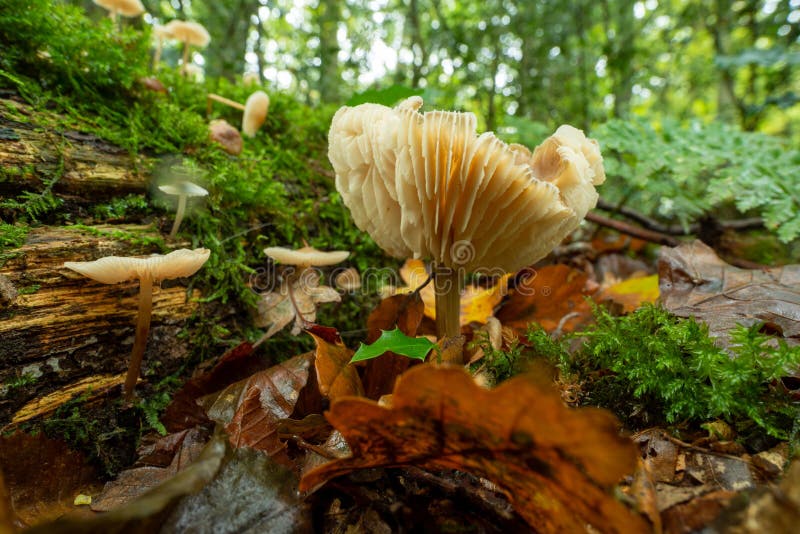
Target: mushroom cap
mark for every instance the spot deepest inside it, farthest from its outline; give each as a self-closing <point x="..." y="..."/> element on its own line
<point x="115" y="269"/>
<point x="126" y="8"/>
<point x="220" y="131"/>
<point x="255" y="113"/>
<point x="306" y="256"/>
<point x="188" y="189"/>
<point x="188" y="32"/>
<point x="162" y="32"/>
<point x="426" y="185"/>
<point x="348" y="280"/>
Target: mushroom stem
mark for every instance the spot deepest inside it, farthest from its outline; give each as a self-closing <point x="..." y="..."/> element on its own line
<point x="222" y="100"/>
<point x="142" y="329"/>
<point x="157" y="55"/>
<point x="178" y="216"/>
<point x="448" y="299"/>
<point x="185" y="57"/>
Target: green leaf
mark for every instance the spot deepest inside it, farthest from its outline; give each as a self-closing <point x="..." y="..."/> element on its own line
<point x="397" y="342"/>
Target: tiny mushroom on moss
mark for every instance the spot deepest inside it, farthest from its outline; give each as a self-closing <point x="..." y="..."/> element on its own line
<point x="255" y="113"/>
<point x="116" y="269"/>
<point x="255" y="110"/>
<point x="228" y="137"/>
<point x="183" y="190"/>
<point x="189" y="33"/>
<point x="126" y="8"/>
<point x="426" y="185"/>
<point x="348" y="280"/>
<point x="160" y="32"/>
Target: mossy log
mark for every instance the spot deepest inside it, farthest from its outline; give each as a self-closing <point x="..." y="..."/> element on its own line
<point x="80" y="166"/>
<point x="60" y="327"/>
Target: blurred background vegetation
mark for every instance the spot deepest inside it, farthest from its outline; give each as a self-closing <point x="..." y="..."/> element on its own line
<point x="582" y="62"/>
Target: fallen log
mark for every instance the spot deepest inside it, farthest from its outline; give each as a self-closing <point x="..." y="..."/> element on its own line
<point x="77" y="165"/>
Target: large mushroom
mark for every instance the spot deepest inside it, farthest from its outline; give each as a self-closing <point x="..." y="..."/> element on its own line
<point x="116" y="269"/>
<point x="190" y="34"/>
<point x="126" y="8"/>
<point x="426" y="185"/>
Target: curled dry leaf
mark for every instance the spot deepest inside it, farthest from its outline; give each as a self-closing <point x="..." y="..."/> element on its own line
<point x="558" y="465"/>
<point x="276" y="310"/>
<point x="335" y="375"/>
<point x="694" y="281"/>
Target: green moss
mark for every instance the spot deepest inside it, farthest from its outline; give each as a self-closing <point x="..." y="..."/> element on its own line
<point x="651" y="367"/>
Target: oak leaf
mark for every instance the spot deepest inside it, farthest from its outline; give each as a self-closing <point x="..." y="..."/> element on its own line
<point x="296" y="299"/>
<point x="558" y="465"/>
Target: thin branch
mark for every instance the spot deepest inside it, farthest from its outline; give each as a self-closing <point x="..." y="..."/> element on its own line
<point x="635" y="231"/>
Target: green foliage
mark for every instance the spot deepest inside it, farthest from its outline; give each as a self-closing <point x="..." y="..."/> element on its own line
<point x="21" y="381"/>
<point x="500" y="364"/>
<point x="397" y="342"/>
<point x="12" y="236"/>
<point x="686" y="173"/>
<point x="55" y="46"/>
<point x="669" y="368"/>
<point x="131" y="206"/>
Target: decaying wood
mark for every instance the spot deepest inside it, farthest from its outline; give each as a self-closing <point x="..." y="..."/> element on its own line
<point x="85" y="168"/>
<point x="62" y="327"/>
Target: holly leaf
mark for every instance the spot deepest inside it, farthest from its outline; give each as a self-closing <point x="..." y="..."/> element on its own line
<point x="397" y="342"/>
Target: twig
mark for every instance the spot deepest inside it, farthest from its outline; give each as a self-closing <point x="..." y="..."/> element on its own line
<point x="677" y="229"/>
<point x="635" y="231"/>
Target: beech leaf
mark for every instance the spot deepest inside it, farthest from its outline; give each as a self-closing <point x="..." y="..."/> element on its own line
<point x="557" y="465"/>
<point x="397" y="342"/>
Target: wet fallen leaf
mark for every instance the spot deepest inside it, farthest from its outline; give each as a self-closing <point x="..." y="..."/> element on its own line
<point x="335" y="375"/>
<point x="477" y="303"/>
<point x="694" y="281"/>
<point x="253" y="398"/>
<point x="553" y="296"/>
<point x="270" y="397"/>
<point x="404" y="312"/>
<point x="235" y="365"/>
<point x="43" y="476"/>
<point x="557" y="464"/>
<point x="135" y="482"/>
<point x="147" y="513"/>
<point x="276" y="309"/>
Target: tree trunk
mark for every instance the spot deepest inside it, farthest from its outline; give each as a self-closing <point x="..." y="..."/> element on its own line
<point x="328" y="17"/>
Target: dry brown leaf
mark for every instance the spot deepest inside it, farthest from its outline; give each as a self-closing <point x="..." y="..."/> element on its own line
<point x="43" y="476"/>
<point x="335" y="375"/>
<point x="270" y="397"/>
<point x="276" y="309"/>
<point x="553" y="296"/>
<point x="405" y="312"/>
<point x="557" y="464"/>
<point x="695" y="282"/>
<point x="280" y="384"/>
<point x="477" y="303"/>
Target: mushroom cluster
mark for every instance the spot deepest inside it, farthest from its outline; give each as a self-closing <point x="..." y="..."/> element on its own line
<point x="126" y="8"/>
<point x="426" y="185"/>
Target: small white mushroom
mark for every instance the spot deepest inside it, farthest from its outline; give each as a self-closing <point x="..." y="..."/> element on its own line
<point x="348" y="279"/>
<point x="306" y="257"/>
<point x="255" y="113"/>
<point x="116" y="269"/>
<point x="126" y="8"/>
<point x="182" y="190"/>
<point x="189" y="33"/>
